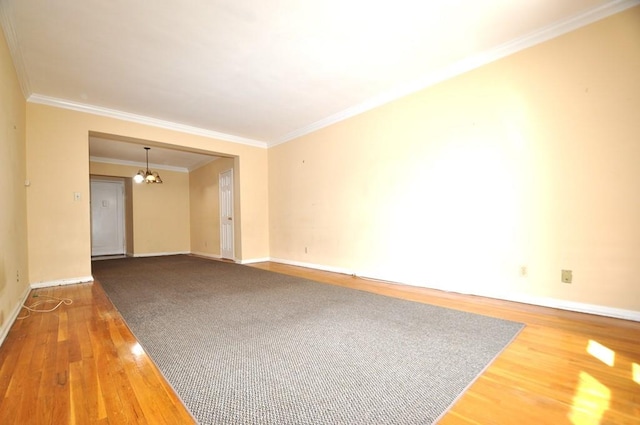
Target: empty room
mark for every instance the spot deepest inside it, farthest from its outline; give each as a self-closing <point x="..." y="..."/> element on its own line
<point x="336" y="212"/>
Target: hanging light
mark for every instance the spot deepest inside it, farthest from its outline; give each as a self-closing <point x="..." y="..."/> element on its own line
<point x="147" y="176"/>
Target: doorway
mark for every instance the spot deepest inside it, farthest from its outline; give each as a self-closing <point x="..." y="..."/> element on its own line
<point x="226" y="215"/>
<point x="107" y="218"/>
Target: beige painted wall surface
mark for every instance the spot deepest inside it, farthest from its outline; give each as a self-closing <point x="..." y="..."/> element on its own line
<point x="58" y="165"/>
<point x="205" y="207"/>
<point x="529" y="161"/>
<point x="14" y="279"/>
<point x="160" y="216"/>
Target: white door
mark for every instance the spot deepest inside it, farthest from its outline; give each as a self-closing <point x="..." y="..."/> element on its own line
<point x="226" y="215"/>
<point x="107" y="218"/>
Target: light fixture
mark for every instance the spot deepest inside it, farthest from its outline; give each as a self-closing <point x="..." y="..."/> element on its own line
<point x="147" y="176"/>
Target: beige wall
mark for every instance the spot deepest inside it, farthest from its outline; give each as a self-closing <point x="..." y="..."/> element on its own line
<point x="14" y="277"/>
<point x="205" y="207"/>
<point x="160" y="213"/>
<point x="58" y="166"/>
<point x="531" y="161"/>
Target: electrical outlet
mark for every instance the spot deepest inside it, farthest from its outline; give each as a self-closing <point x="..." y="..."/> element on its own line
<point x="17" y="275"/>
<point x="567" y="276"/>
<point x="523" y="271"/>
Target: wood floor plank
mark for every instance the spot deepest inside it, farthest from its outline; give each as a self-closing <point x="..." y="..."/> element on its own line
<point x="81" y="364"/>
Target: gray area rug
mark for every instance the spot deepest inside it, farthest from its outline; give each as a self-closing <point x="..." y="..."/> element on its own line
<point x="246" y="346"/>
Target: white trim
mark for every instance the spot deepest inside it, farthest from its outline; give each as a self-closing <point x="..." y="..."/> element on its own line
<point x="6" y="22"/>
<point x="152" y="165"/>
<point x="141" y="119"/>
<point x="60" y="282"/>
<point x="255" y="260"/>
<point x="138" y="164"/>
<point x="108" y="257"/>
<point x="313" y="266"/>
<point x="4" y="329"/>
<point x="161" y="254"/>
<point x="206" y="255"/>
<point x="541" y="35"/>
<point x="521" y="43"/>
<point x="598" y="310"/>
<point x="203" y="163"/>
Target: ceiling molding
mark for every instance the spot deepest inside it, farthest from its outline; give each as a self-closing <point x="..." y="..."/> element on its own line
<point x="544" y="34"/>
<point x="151" y="165"/>
<point x="137" y="164"/>
<point x="140" y="119"/>
<point x="203" y="163"/>
<point x="6" y="21"/>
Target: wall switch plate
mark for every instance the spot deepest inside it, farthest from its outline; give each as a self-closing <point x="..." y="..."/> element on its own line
<point x="567" y="276"/>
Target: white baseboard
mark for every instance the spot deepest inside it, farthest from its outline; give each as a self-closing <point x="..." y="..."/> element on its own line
<point x="205" y="254"/>
<point x="313" y="266"/>
<point x="161" y="254"/>
<point x="255" y="260"/>
<point x="4" y="330"/>
<point x="595" y="309"/>
<point x="598" y="310"/>
<point x="71" y="281"/>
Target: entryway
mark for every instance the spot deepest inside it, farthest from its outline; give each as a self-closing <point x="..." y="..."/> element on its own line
<point x="107" y="217"/>
<point x="226" y="215"/>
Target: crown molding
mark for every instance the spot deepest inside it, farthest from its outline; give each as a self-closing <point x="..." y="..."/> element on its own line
<point x="203" y="163"/>
<point x="539" y="36"/>
<point x="6" y="22"/>
<point x="137" y="164"/>
<point x="140" y="164"/>
<point x="468" y="64"/>
<point x="141" y="119"/>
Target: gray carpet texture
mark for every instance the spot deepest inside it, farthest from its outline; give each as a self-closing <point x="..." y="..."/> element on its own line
<point x="246" y="346"/>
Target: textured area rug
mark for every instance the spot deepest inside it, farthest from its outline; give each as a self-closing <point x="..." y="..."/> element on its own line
<point x="247" y="346"/>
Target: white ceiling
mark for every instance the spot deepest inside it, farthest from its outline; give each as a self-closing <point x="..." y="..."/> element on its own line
<point x="262" y="72"/>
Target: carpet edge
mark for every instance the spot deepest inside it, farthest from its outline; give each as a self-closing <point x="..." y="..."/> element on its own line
<point x="489" y="364"/>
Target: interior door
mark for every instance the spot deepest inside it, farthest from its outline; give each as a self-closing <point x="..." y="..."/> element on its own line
<point x="226" y="214"/>
<point x="107" y="218"/>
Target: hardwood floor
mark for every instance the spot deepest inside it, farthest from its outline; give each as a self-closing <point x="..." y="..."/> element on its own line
<point x="81" y="364"/>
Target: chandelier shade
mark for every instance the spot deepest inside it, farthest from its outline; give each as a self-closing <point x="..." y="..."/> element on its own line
<point x="147" y="176"/>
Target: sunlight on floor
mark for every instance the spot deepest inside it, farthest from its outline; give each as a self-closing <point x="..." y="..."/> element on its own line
<point x="635" y="373"/>
<point x="602" y="353"/>
<point x="591" y="401"/>
<point x="137" y="349"/>
<point x="592" y="398"/>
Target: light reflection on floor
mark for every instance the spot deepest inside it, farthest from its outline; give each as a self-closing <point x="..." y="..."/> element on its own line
<point x="602" y="353"/>
<point x="590" y="402"/>
<point x="137" y="349"/>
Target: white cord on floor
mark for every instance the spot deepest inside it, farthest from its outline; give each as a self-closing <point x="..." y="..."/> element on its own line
<point x="32" y="307"/>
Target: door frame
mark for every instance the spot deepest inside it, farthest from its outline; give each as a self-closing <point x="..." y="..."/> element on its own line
<point x="123" y="207"/>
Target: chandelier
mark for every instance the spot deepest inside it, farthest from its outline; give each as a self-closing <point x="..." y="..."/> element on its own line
<point x="147" y="176"/>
